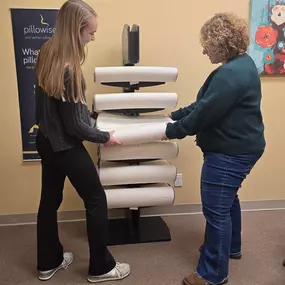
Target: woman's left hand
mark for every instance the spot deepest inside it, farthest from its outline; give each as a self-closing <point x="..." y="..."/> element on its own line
<point x="164" y="137"/>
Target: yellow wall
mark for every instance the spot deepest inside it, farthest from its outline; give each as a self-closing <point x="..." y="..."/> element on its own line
<point x="169" y="37"/>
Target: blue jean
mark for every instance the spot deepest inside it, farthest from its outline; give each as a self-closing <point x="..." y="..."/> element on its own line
<point x="221" y="178"/>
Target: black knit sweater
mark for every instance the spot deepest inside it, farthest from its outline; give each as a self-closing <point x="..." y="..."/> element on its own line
<point x="66" y="124"/>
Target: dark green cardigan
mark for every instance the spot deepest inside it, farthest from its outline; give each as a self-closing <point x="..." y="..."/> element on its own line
<point x="226" y="117"/>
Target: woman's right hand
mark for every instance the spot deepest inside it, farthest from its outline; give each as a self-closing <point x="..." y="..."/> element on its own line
<point x="112" y="140"/>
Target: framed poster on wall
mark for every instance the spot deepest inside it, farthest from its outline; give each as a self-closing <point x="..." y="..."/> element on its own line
<point x="267" y="32"/>
<point x="31" y="28"/>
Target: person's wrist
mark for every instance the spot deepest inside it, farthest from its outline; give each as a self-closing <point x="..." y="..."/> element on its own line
<point x="107" y="136"/>
<point x="173" y="115"/>
<point x="168" y="131"/>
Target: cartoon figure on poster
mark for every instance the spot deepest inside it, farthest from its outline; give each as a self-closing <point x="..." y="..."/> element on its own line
<point x="268" y="36"/>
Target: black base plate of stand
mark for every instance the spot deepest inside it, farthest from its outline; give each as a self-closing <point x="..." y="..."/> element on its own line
<point x="151" y="229"/>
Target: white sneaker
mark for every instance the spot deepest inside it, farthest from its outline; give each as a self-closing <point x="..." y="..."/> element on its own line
<point x="67" y="260"/>
<point x="120" y="271"/>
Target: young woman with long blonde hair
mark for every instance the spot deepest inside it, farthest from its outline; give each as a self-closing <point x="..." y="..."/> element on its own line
<point x="64" y="123"/>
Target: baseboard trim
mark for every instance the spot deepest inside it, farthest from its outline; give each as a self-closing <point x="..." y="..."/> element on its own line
<point x="174" y="210"/>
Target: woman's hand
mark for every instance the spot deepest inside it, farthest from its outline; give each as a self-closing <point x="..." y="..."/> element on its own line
<point x="164" y="137"/>
<point x="112" y="140"/>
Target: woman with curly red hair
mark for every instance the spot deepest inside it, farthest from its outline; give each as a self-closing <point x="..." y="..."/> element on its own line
<point x="227" y="121"/>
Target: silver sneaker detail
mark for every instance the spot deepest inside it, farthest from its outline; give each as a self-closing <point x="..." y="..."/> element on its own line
<point x="120" y="271"/>
<point x="67" y="260"/>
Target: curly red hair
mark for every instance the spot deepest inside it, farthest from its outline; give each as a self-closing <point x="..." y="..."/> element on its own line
<point x="226" y="35"/>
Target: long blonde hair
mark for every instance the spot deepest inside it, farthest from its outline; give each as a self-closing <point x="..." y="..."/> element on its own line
<point x="65" y="51"/>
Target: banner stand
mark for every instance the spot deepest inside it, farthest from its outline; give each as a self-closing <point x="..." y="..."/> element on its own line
<point x="31" y="29"/>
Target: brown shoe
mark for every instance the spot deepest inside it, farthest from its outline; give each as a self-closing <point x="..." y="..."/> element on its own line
<point x="194" y="279"/>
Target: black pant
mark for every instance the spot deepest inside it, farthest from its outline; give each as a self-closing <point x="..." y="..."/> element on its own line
<point x="77" y="165"/>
